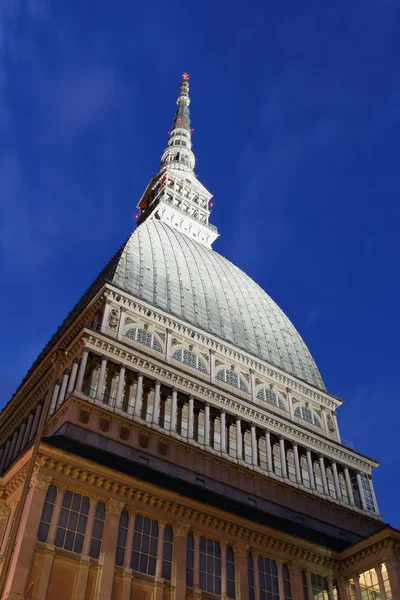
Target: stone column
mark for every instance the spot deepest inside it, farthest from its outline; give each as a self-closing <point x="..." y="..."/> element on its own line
<point x="36" y="420"/>
<point x="254" y="447"/>
<point x="168" y="345"/>
<point x="139" y="394"/>
<point x="72" y="379"/>
<point x="223" y="430"/>
<point x="241" y="572"/>
<point x="196" y="562"/>
<point x="378" y="571"/>
<point x="299" y="478"/>
<point x="81" y="370"/>
<point x="361" y="491"/>
<point x="108" y="547"/>
<point x="56" y="514"/>
<point x="393" y="571"/>
<point x="191" y="418"/>
<point x="309" y="586"/>
<point x="239" y="443"/>
<point x="21" y="561"/>
<point x="160" y="548"/>
<point x="54" y="397"/>
<point x="323" y="474"/>
<point x="100" y="383"/>
<point x="270" y="462"/>
<point x="19" y="440"/>
<point x="310" y="469"/>
<point x="174" y="409"/>
<point x="5" y="455"/>
<point x="343" y="586"/>
<point x="12" y="447"/>
<point x="281" y="588"/>
<point x="178" y="580"/>
<point x="356" y="580"/>
<point x="63" y="390"/>
<point x="296" y="580"/>
<point x="283" y="456"/>
<point x="253" y="385"/>
<point x="290" y="401"/>
<point x="329" y="579"/>
<point x="371" y="484"/>
<point x="156" y="405"/>
<point x="336" y="480"/>
<point x="207" y="424"/>
<point x="120" y="388"/>
<point x="7" y="531"/>
<point x="349" y="486"/>
<point x="28" y="430"/>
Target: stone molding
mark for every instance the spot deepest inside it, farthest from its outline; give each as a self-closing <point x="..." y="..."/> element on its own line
<point x="181" y="529"/>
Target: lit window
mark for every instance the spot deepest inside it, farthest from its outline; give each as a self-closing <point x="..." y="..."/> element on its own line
<point x="47" y="513"/>
<point x="98" y="527"/>
<point x="319" y="585"/>
<point x="167" y="557"/>
<point x="268" y="578"/>
<point x="304" y="413"/>
<point x="191" y="359"/>
<point x="210" y="566"/>
<point x="232" y="378"/>
<point x="72" y="523"/>
<point x="145" y="542"/>
<point x="144" y="337"/>
<point x="271" y="397"/>
<point x="122" y="538"/>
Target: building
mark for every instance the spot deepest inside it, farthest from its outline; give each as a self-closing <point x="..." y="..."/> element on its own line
<point x="190" y="448"/>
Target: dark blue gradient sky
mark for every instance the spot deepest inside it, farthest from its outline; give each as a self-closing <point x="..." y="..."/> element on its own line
<point x="296" y="111"/>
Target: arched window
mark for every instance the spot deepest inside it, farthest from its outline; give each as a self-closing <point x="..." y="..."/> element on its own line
<point x="189" y="358"/>
<point x="302" y="412"/>
<point x="144" y="337"/>
<point x="271" y="397"/>
<point x="231" y="378"/>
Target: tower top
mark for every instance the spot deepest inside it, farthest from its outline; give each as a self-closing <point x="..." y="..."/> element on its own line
<point x="175" y="195"/>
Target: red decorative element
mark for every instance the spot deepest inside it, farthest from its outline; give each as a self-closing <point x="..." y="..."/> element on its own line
<point x="185" y="76"/>
<point x="136" y="216"/>
<point x="192" y="129"/>
<point x="211" y="203"/>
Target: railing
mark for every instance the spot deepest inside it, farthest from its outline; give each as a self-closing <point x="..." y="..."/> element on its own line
<point x="348" y="444"/>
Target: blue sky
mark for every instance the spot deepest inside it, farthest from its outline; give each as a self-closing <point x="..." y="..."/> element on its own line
<point x="295" y="109"/>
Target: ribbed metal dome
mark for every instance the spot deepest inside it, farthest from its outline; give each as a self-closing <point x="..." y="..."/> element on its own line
<point x="168" y="269"/>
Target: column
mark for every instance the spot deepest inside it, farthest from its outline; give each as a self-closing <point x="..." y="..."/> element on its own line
<point x="120" y="388"/>
<point x="239" y="443"/>
<point x="156" y="406"/>
<point x="223" y="430"/>
<point x="36" y="420"/>
<point x="129" y="539"/>
<point x="343" y="586"/>
<point x="56" y="514"/>
<point x="253" y="385"/>
<point x="27" y="430"/>
<point x="160" y="548"/>
<point x="296" y="580"/>
<point x="191" y="418"/>
<point x="181" y="531"/>
<point x="329" y="579"/>
<point x="81" y="370"/>
<point x="323" y="474"/>
<point x="393" y="571"/>
<point x="297" y="463"/>
<point x="310" y="469"/>
<point x="361" y="491"/>
<point x="7" y="532"/>
<point x="207" y="424"/>
<point x="89" y="526"/>
<point x="336" y="480"/>
<point x="371" y="485"/>
<point x="270" y="463"/>
<point x="72" y="379"/>
<point x="349" y="486"/>
<point x="63" y="390"/>
<point x="108" y="547"/>
<point x="19" y="440"/>
<point x="256" y="576"/>
<point x="283" y="456"/>
<point x="309" y="586"/>
<point x="5" y="455"/>
<point x="254" y="446"/>
<point x="139" y="391"/>
<point x="17" y="576"/>
<point x="241" y="571"/>
<point x="54" y="397"/>
<point x="12" y="447"/>
<point x="174" y="409"/>
<point x="100" y="384"/>
<point x="196" y="562"/>
<point x="378" y="570"/>
<point x="280" y="578"/>
<point x="356" y="580"/>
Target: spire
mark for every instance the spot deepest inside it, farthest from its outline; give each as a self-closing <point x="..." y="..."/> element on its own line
<point x="175" y="195"/>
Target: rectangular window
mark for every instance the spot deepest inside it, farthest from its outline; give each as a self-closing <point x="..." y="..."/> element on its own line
<point x="286" y="582"/>
<point x="183" y="419"/>
<point x="250" y="575"/>
<point x="262" y="453"/>
<point x="167" y="557"/>
<point x="145" y="542"/>
<point x="319" y="587"/>
<point x="122" y="538"/>
<point x="369" y="499"/>
<point x="276" y="457"/>
<point x="98" y="527"/>
<point x="268" y="578"/>
<point x="305" y="591"/>
<point x="189" y="559"/>
<point x="291" y="465"/>
<point x="230" y="572"/>
<point x="247" y="447"/>
<point x="72" y="523"/>
<point x="47" y="513"/>
<point x="210" y="566"/>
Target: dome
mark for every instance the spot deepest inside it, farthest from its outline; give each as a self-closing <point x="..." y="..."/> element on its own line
<point x="169" y="270"/>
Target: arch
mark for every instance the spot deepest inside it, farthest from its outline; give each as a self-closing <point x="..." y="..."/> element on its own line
<point x="187" y="357"/>
<point x="268" y="395"/>
<point x="144" y="337"/>
<point x="233" y="378"/>
<point x="304" y="413"/>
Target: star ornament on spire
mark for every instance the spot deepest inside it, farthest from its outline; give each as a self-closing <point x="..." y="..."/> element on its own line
<point x="185" y="76"/>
